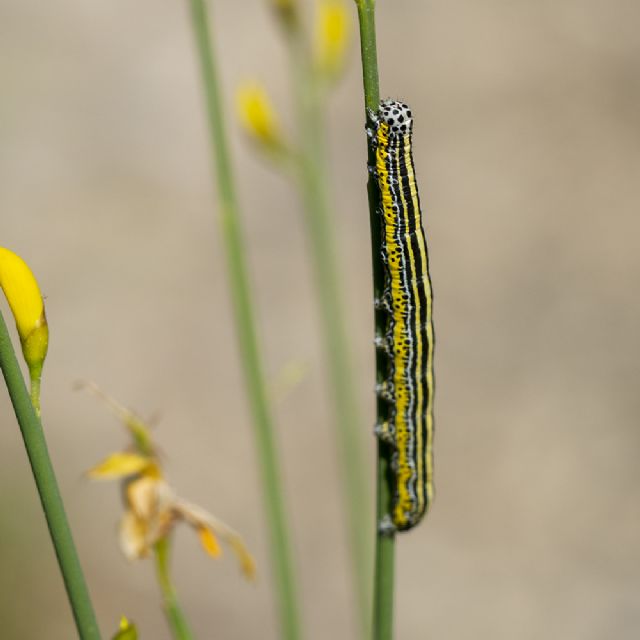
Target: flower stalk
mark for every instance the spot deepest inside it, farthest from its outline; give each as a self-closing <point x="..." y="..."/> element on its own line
<point x="316" y="63"/>
<point x="175" y="616"/>
<point x="247" y="334"/>
<point x="385" y="544"/>
<point x="313" y="185"/>
<point x="47" y="485"/>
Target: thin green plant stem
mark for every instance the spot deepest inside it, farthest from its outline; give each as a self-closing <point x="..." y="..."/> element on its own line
<point x="247" y="335"/>
<point x="312" y="176"/>
<point x="34" y="393"/>
<point x="384" y="579"/>
<point x="44" y="476"/>
<point x="385" y="544"/>
<point x="176" y="618"/>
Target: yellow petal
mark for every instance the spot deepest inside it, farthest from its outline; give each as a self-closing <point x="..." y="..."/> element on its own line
<point x="200" y="519"/>
<point x="143" y="496"/>
<point x="247" y="563"/>
<point x="133" y="537"/>
<point x="257" y="114"/>
<point x="120" y="465"/>
<point x="209" y="542"/>
<point x="152" y="501"/>
<point x="149" y="516"/>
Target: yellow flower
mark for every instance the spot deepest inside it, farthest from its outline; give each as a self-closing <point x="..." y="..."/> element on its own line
<point x="127" y="631"/>
<point x="258" y="117"/>
<point x="25" y="300"/>
<point x="332" y="31"/>
<point x="152" y="508"/>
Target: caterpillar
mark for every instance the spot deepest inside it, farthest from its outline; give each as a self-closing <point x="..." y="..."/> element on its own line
<point x="407" y="301"/>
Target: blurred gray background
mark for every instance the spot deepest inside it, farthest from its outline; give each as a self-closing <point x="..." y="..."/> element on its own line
<point x="527" y="147"/>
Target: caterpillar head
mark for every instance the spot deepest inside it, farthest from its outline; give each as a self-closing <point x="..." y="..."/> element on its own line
<point x="397" y="115"/>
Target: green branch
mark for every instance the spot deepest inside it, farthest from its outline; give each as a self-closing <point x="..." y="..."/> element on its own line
<point x="246" y="333"/>
<point x="44" y="476"/>
<point x="312" y="176"/>
<point x="385" y="544"/>
<point x="176" y="618"/>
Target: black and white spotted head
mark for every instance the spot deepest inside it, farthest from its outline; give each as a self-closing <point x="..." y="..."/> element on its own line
<point x="397" y="115"/>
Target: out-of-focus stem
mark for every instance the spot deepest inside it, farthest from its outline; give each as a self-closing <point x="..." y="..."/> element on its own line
<point x="246" y="332"/>
<point x="313" y="182"/>
<point x="45" y="478"/>
<point x="176" y="618"/>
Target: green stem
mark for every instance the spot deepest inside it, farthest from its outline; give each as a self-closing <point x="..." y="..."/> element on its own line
<point x="176" y="618"/>
<point x="35" y="389"/>
<point x="44" y="476"/>
<point x="383" y="584"/>
<point x="320" y="233"/>
<point x="385" y="544"/>
<point x="247" y="336"/>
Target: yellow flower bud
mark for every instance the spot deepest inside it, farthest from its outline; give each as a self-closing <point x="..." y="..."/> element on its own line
<point x="127" y="631"/>
<point x="257" y="115"/>
<point x="331" y="36"/>
<point x="25" y="300"/>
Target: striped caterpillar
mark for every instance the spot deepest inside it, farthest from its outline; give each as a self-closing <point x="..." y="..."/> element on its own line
<point x="407" y="301"/>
